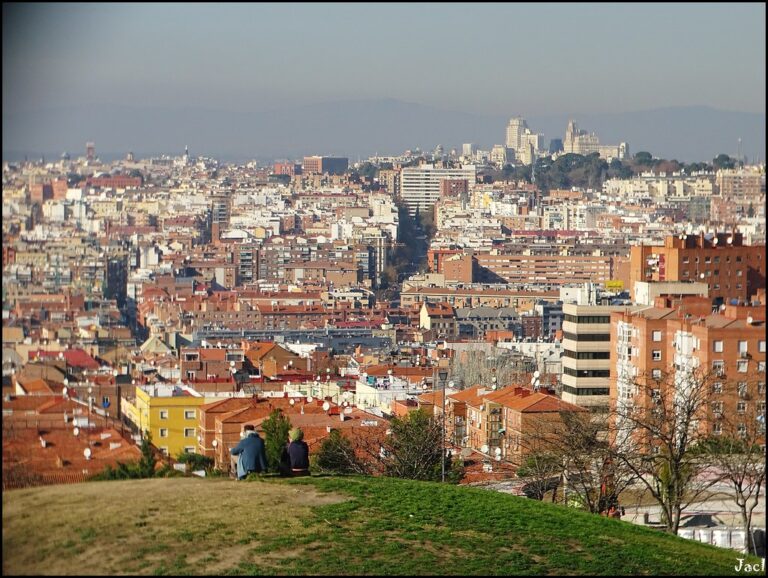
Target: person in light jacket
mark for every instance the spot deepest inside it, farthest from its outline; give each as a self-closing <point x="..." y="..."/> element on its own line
<point x="252" y="453"/>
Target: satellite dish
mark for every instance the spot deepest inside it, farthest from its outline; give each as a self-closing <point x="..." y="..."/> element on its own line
<point x="347" y="411"/>
<point x="484" y="449"/>
<point x="310" y="399"/>
<point x="498" y="451"/>
<point x="701" y="276"/>
<point x="749" y="320"/>
<point x="292" y="401"/>
<point x="231" y="363"/>
<point x="326" y="406"/>
<point x="214" y="443"/>
<point x="87" y="453"/>
<point x="76" y="431"/>
<point x="714" y="241"/>
<point x="466" y="452"/>
<point x="536" y="374"/>
<point x="65" y="391"/>
<point x="345" y="404"/>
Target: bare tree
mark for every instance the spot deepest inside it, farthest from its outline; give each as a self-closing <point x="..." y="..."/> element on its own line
<point x="477" y="367"/>
<point x="656" y="424"/>
<point x="736" y="450"/>
<point x="591" y="472"/>
<point x="541" y="471"/>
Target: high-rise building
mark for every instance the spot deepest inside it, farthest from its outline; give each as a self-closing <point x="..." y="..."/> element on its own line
<point x="587" y="355"/>
<point x="579" y="142"/>
<point x="420" y="186"/>
<point x="521" y="140"/>
<point x="90" y="151"/>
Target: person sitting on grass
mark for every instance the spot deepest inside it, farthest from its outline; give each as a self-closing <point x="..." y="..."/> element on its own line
<point x="253" y="456"/>
<point x="298" y="452"/>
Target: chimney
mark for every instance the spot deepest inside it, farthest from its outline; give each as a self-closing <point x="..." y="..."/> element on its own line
<point x="525" y="392"/>
<point x="518" y="391"/>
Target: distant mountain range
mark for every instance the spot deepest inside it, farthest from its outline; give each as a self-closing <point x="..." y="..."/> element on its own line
<point x="360" y="128"/>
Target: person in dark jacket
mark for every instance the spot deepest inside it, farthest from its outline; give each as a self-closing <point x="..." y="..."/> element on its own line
<point x="253" y="455"/>
<point x="298" y="453"/>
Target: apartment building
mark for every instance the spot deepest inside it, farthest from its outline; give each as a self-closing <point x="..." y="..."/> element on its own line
<point x="731" y="270"/>
<point x="587" y="355"/>
<point x="662" y="347"/>
<point x="420" y="186"/>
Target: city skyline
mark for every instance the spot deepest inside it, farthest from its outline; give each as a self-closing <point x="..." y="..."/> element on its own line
<point x="417" y="78"/>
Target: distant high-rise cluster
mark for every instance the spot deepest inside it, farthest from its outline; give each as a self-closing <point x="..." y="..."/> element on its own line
<point x="522" y="141"/>
<point x="580" y="142"/>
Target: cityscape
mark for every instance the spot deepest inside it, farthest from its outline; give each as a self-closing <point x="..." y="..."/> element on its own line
<point x="542" y="353"/>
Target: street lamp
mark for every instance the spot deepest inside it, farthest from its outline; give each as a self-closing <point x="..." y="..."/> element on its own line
<point x="442" y="376"/>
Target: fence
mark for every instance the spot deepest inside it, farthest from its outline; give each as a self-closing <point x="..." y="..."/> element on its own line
<point x="13" y="480"/>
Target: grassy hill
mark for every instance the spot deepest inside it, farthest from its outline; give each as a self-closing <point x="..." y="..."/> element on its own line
<point x="325" y="525"/>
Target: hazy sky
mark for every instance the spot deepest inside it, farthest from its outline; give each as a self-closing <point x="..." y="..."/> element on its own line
<point x="528" y="59"/>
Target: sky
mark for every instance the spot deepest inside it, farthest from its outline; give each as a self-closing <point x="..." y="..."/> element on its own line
<point x="495" y="59"/>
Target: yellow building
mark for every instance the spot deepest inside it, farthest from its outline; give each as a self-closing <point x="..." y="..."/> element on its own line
<point x="170" y="413"/>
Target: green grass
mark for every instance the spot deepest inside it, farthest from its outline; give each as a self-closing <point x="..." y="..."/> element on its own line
<point x="326" y="525"/>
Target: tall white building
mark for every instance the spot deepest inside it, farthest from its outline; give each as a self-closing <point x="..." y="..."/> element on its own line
<point x="524" y="142"/>
<point x="420" y="186"/>
<point x="580" y="142"/>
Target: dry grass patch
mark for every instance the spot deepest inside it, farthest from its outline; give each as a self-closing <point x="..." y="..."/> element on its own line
<point x="179" y="526"/>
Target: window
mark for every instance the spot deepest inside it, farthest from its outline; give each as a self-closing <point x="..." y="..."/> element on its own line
<point x="738" y="273"/>
<point x="717" y="259"/>
<point x="761" y="346"/>
<point x="190" y="375"/>
<point x="761" y="387"/>
<point x="656" y="355"/>
<point x="656" y="374"/>
<point x="189" y="449"/>
<point x="742" y="430"/>
<point x="717" y="346"/>
<point x="189" y="432"/>
<point x="707" y="259"/>
<point x="189" y="414"/>
<point x="163" y="414"/>
<point x="657" y="335"/>
<point x="105" y="401"/>
<point x="686" y="259"/>
<point x="742" y="387"/>
<point x="718" y="367"/>
<point x="717" y="406"/>
<point x="717" y="429"/>
<point x="717" y="387"/>
<point x="163" y="432"/>
<point x="741" y="407"/>
<point x="742" y="347"/>
<point x="164" y="449"/>
<point x="742" y="365"/>
<point x="761" y="366"/>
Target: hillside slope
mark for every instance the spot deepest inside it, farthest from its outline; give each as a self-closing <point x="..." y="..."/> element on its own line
<point x="324" y="525"/>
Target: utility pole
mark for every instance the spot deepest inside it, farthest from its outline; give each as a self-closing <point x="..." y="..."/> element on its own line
<point x="442" y="376"/>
